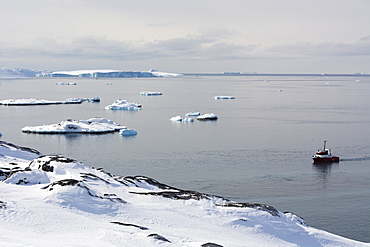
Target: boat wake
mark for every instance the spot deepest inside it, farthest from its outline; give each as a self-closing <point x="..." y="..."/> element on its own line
<point x="356" y="159"/>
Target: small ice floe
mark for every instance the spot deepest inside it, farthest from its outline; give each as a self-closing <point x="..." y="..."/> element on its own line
<point x="1" y="135"/>
<point x="108" y="83"/>
<point x="150" y="93"/>
<point x="188" y="119"/>
<point x="177" y="118"/>
<point x="223" y="97"/>
<point x="128" y="132"/>
<point x="95" y="99"/>
<point x="124" y="105"/>
<point x="192" y="114"/>
<point x="74" y="101"/>
<point x="89" y="126"/>
<point x="66" y="83"/>
<point x="208" y="116"/>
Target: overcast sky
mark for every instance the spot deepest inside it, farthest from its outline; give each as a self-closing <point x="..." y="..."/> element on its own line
<point x="265" y="36"/>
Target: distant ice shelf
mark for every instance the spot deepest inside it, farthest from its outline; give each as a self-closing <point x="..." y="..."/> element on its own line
<point x="106" y="73"/>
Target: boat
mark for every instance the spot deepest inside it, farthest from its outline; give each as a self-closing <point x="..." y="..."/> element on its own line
<point x="324" y="156"/>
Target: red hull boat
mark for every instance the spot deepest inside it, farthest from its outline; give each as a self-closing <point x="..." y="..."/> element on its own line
<point x="324" y="156"/>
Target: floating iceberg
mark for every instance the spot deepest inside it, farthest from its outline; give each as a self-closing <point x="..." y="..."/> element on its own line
<point x="89" y="126"/>
<point x="66" y="83"/>
<point x="188" y="119"/>
<point x="208" y="116"/>
<point x="124" y="105"/>
<point x="192" y="114"/>
<point x="33" y="101"/>
<point x="127" y="132"/>
<point x="176" y="118"/>
<point x="150" y="93"/>
<point x="50" y="197"/>
<point x="223" y="97"/>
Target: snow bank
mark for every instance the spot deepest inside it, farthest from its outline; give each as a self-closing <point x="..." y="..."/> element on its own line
<point x="89" y="126"/>
<point x="55" y="200"/>
<point x="124" y="105"/>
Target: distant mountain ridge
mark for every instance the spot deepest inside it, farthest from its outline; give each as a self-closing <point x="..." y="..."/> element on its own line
<point x="18" y="73"/>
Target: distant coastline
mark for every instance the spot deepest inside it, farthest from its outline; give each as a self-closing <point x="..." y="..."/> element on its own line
<point x="267" y="74"/>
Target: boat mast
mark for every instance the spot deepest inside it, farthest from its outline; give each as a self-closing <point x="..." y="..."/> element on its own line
<point x="324" y="144"/>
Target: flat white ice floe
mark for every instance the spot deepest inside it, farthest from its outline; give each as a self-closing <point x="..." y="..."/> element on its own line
<point x="89" y="126"/>
<point x="150" y="93"/>
<point x="176" y="118"/>
<point x="34" y="101"/>
<point x="124" y="105"/>
<point x="192" y="114"/>
<point x="223" y="97"/>
<point x="47" y="198"/>
<point x="208" y="116"/>
<point x="66" y="83"/>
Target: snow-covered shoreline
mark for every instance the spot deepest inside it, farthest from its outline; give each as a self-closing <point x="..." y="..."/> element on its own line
<point x="57" y="200"/>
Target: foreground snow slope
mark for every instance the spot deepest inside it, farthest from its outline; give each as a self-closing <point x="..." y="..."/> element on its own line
<point x="54" y="200"/>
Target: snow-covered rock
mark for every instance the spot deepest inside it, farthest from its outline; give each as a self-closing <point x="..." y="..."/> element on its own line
<point x="89" y="126"/>
<point x="124" y="105"/>
<point x="55" y="200"/>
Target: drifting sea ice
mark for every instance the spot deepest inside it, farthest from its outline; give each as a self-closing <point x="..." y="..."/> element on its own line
<point x="223" y="97"/>
<point x="176" y="118"/>
<point x="192" y="114"/>
<point x="150" y="93"/>
<point x="128" y="132"/>
<point x="89" y="126"/>
<point x="124" y="105"/>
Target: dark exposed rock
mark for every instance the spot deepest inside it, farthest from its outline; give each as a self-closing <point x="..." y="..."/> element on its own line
<point x="158" y="237"/>
<point x="45" y="164"/>
<point x="126" y="224"/>
<point x="177" y="195"/>
<point x="137" y="180"/>
<point x="2" y="204"/>
<point x="270" y="209"/>
<point x="211" y="245"/>
<point x="22" y="181"/>
<point x="64" y="182"/>
<point x="91" y="176"/>
<point x="47" y="168"/>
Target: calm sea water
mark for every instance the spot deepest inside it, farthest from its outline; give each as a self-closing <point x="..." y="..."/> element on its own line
<point x="258" y="151"/>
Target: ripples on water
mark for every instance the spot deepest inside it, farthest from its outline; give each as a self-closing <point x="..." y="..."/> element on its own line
<point x="258" y="151"/>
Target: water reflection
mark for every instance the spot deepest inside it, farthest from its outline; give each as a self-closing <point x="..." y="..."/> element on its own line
<point x="323" y="171"/>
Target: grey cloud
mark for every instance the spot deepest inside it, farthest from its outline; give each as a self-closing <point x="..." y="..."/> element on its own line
<point x="358" y="48"/>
